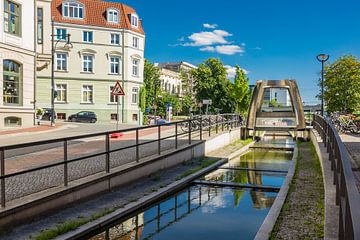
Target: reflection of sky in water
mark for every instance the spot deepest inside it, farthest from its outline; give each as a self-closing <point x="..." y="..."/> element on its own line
<point x="271" y="141"/>
<point x="211" y="213"/>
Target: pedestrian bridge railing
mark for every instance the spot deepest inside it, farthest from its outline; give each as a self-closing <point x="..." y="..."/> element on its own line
<point x="347" y="194"/>
<point x="101" y="155"/>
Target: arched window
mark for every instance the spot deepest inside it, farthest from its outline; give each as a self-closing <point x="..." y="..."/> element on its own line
<point x="113" y="15"/>
<point x="12" y="82"/>
<point x="73" y="10"/>
<point x="12" y="122"/>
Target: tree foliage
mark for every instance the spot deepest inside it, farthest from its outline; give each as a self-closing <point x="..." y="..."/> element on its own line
<point x="241" y="93"/>
<point x="342" y="85"/>
<point x="142" y="102"/>
<point x="151" y="79"/>
<point x="211" y="82"/>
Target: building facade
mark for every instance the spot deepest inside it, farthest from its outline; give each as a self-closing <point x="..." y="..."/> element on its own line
<point x="106" y="45"/>
<point x="17" y="63"/>
<point x="175" y="78"/>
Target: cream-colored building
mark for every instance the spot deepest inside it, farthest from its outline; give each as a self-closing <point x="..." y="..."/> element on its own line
<point x="107" y="42"/>
<point x="17" y="63"/>
<point x="175" y="77"/>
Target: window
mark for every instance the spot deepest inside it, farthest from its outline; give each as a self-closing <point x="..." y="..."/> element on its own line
<point x="40" y="25"/>
<point x="12" y="17"/>
<point x="61" y="61"/>
<point x="88" y="36"/>
<point x="134" y="117"/>
<point x="88" y="63"/>
<point x="134" y="20"/>
<point x="113" y="16"/>
<point x="12" y="122"/>
<point x="134" y="95"/>
<point x="87" y="94"/>
<point x="61" y="92"/>
<point x="113" y="116"/>
<point x="135" y="42"/>
<point x="114" y="65"/>
<point x="12" y="82"/>
<point x="135" y="67"/>
<point x="61" y="34"/>
<point x="72" y="10"/>
<point x="112" y="98"/>
<point x="114" y="39"/>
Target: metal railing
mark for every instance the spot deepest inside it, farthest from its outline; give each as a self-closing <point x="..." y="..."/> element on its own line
<point x="215" y="124"/>
<point x="347" y="194"/>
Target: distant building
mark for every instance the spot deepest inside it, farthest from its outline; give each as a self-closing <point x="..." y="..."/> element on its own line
<point x="107" y="46"/>
<point x="280" y="95"/>
<point x="175" y="77"/>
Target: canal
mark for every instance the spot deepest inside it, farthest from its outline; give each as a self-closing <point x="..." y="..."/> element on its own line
<point x="230" y="202"/>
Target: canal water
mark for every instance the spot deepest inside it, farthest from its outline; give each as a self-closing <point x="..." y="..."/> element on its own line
<point x="208" y="212"/>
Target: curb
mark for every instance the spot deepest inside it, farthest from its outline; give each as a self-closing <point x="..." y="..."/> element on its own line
<point x="267" y="226"/>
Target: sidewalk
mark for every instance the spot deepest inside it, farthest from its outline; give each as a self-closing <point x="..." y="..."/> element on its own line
<point x="352" y="143"/>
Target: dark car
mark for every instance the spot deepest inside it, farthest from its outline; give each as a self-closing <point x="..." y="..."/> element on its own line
<point x="83" y="116"/>
<point x="47" y="114"/>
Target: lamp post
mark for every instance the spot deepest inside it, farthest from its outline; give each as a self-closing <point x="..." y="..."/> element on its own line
<point x="53" y="49"/>
<point x="322" y="58"/>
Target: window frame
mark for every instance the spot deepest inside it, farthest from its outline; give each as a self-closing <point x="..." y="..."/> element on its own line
<point x="16" y="83"/>
<point x="137" y="67"/>
<point x="115" y="34"/>
<point x="136" y="42"/>
<point x="88" y="86"/>
<point x="87" y="34"/>
<point x="113" y="99"/>
<point x="136" y="94"/>
<point x="17" y="15"/>
<point x="111" y="12"/>
<point x="61" y="36"/>
<point x="68" y="5"/>
<point x="62" y="69"/>
<point x="40" y="25"/>
<point x="111" y="67"/>
<point x="87" y="61"/>
<point x="62" y="93"/>
<point x="134" y="20"/>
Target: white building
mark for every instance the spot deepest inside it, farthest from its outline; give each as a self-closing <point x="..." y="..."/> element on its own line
<point x="17" y="63"/>
<point x="108" y="43"/>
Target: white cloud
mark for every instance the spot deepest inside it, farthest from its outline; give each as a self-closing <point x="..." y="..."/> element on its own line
<point x="256" y="48"/>
<point x="212" y="26"/>
<point x="208" y="38"/>
<point x="224" y="49"/>
<point x="231" y="71"/>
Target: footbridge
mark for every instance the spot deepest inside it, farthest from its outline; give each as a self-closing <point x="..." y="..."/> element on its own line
<point x="276" y="106"/>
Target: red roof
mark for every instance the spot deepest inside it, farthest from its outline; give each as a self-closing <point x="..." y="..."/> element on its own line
<point x="95" y="14"/>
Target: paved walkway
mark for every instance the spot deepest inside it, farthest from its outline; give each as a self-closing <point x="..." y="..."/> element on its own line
<point x="352" y="143"/>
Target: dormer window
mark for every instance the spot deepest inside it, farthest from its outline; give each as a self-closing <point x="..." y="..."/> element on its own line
<point x="134" y="20"/>
<point x="113" y="16"/>
<point x="73" y="10"/>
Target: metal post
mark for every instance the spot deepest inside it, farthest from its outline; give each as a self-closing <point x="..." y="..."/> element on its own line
<point x="189" y="200"/>
<point x="190" y="131"/>
<point x="200" y="128"/>
<point x="159" y="141"/>
<point x="217" y="124"/>
<point x="175" y="208"/>
<point x="176" y="135"/>
<point x="209" y="126"/>
<point x="52" y="75"/>
<point x="65" y="163"/>
<point x="322" y="88"/>
<point x="137" y="145"/>
<point x="2" y="173"/>
<point x="107" y="149"/>
<point x="222" y="123"/>
<point x="158" y="218"/>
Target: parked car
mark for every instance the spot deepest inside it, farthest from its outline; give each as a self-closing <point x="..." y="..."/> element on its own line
<point x="83" y="116"/>
<point x="47" y="114"/>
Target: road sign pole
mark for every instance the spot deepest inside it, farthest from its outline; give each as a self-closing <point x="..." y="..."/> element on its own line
<point x="117" y="112"/>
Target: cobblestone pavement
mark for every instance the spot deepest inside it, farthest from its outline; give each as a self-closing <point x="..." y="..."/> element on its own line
<point x="302" y="216"/>
<point x="352" y="143"/>
<point x="28" y="183"/>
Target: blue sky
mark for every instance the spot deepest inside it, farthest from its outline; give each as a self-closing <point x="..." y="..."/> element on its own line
<point x="270" y="39"/>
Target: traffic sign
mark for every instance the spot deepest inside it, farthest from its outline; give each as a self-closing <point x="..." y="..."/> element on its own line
<point x="207" y="101"/>
<point x="117" y="90"/>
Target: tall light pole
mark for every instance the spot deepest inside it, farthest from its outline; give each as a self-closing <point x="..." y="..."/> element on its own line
<point x="53" y="49"/>
<point x="322" y="58"/>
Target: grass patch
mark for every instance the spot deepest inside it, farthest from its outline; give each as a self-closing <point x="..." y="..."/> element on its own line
<point x="242" y="142"/>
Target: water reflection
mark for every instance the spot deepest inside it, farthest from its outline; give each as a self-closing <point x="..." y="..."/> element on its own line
<point x="199" y="213"/>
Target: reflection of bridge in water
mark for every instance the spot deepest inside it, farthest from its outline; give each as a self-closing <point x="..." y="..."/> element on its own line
<point x="275" y="106"/>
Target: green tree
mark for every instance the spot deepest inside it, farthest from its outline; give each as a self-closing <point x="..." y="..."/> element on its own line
<point x="211" y="82"/>
<point x="241" y="93"/>
<point x="342" y="85"/>
<point x="165" y="99"/>
<point x="151" y="79"/>
<point x="142" y="102"/>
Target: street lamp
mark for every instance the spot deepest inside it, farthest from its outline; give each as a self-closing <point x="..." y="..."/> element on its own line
<point x="322" y="58"/>
<point x="67" y="45"/>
